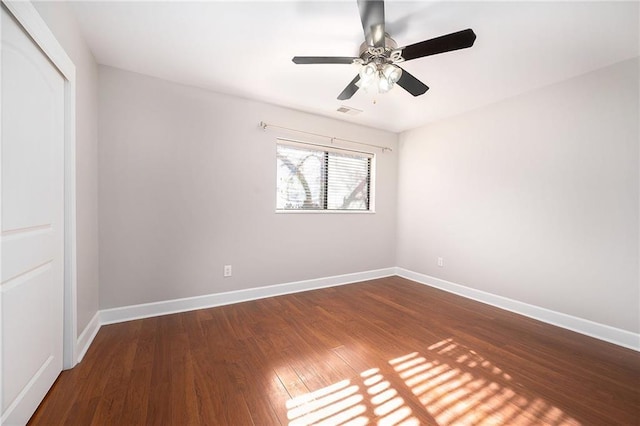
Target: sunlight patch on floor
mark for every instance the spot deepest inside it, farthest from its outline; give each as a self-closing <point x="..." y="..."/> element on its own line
<point x="335" y="404"/>
<point x="344" y="403"/>
<point x="457" y="386"/>
<point x="454" y="384"/>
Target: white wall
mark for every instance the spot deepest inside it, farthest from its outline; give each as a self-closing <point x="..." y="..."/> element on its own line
<point x="187" y="184"/>
<point x="534" y="198"/>
<point x="62" y="23"/>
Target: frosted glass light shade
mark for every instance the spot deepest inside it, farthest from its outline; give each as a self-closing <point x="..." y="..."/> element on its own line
<point x="392" y="73"/>
<point x="380" y="80"/>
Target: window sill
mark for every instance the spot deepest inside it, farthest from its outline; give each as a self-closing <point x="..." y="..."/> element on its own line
<point x="309" y="211"/>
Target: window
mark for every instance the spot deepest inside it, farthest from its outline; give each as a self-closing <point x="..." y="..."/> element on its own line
<point x="316" y="177"/>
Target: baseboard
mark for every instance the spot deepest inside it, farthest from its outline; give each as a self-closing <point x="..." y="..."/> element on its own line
<point x="86" y="337"/>
<point x="590" y="328"/>
<point x="146" y="310"/>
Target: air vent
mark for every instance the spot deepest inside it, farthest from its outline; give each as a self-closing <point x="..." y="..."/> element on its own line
<point x="347" y="110"/>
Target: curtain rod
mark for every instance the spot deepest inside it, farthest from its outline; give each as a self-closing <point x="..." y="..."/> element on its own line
<point x="264" y="126"/>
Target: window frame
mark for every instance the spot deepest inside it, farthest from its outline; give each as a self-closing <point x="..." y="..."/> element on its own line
<point x="338" y="150"/>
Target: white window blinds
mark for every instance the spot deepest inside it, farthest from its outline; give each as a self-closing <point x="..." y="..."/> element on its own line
<point x="315" y="177"/>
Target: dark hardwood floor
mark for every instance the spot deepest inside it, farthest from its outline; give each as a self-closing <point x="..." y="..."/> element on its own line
<point x="386" y="352"/>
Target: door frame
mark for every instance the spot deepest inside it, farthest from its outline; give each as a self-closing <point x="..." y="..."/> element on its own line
<point x="29" y="18"/>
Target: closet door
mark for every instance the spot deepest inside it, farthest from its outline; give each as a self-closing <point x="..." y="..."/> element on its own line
<point x="32" y="235"/>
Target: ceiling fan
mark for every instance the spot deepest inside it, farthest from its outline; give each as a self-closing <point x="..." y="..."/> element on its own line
<point x="379" y="54"/>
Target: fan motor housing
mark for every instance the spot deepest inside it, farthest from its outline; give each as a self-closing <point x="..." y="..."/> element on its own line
<point x="388" y="54"/>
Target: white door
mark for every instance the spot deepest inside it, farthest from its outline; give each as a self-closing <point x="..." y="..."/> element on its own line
<point x="32" y="185"/>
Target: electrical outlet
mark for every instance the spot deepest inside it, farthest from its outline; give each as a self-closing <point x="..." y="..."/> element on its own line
<point x="227" y="270"/>
<point x="440" y="262"/>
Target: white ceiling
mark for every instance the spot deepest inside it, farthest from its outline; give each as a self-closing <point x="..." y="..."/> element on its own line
<point x="245" y="49"/>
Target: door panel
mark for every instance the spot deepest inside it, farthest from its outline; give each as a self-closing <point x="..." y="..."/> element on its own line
<point x="32" y="234"/>
<point x="26" y="311"/>
<point x="36" y="241"/>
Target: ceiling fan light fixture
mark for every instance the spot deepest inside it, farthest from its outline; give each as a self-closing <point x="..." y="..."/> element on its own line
<point x="380" y="78"/>
<point x="392" y="73"/>
<point x="384" y="85"/>
<point x="368" y="74"/>
<point x="389" y="76"/>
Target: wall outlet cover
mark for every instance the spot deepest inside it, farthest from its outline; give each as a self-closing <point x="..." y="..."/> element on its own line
<point x="227" y="270"/>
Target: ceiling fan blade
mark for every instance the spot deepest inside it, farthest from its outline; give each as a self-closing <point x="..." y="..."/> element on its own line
<point x="411" y="84"/>
<point x="446" y="43"/>
<point x="372" y="17"/>
<point x="350" y="90"/>
<point x="323" y="59"/>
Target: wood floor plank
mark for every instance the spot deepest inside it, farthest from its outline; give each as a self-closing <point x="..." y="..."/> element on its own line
<point x="385" y="351"/>
<point x="136" y="402"/>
